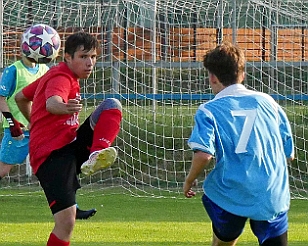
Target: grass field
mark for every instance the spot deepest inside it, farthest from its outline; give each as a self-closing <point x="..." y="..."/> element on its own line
<point x="125" y="220"/>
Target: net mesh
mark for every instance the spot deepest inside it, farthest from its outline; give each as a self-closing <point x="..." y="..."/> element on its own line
<point x="150" y="58"/>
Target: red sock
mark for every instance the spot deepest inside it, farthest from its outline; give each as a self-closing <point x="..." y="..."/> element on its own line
<point x="106" y="129"/>
<point x="55" y="241"/>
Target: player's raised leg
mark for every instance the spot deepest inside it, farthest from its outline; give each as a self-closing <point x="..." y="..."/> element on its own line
<point x="98" y="160"/>
<point x="105" y="122"/>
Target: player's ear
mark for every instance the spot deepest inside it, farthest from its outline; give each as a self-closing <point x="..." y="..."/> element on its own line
<point x="242" y="77"/>
<point x="67" y="57"/>
<point x="213" y="78"/>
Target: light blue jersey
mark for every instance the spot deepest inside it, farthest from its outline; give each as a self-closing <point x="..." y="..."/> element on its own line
<point x="250" y="136"/>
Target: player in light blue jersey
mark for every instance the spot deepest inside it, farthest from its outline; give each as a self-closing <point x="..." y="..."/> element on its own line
<point x="250" y="137"/>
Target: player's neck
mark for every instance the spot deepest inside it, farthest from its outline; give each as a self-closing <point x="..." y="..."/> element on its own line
<point x="27" y="63"/>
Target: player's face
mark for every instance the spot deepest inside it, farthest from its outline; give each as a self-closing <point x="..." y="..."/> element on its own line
<point x="27" y="62"/>
<point x="82" y="63"/>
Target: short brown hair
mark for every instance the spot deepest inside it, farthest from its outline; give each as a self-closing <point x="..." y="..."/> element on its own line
<point x="226" y="62"/>
<point x="80" y="39"/>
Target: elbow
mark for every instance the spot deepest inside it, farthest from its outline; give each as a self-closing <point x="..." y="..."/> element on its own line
<point x="203" y="157"/>
<point x="52" y="107"/>
<point x="20" y="98"/>
<point x="289" y="159"/>
<point x="55" y="105"/>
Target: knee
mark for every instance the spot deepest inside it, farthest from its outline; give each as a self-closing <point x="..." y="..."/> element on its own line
<point x="64" y="227"/>
<point x="107" y="104"/>
<point x="110" y="103"/>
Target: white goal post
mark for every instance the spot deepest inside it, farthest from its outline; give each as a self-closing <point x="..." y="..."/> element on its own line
<point x="151" y="59"/>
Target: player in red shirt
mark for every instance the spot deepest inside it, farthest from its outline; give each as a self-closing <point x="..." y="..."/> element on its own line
<point x="60" y="149"/>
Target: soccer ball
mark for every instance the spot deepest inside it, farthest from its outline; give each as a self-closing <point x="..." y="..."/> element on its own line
<point x="40" y="43"/>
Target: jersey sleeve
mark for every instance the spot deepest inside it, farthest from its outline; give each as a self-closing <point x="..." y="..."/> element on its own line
<point x="59" y="86"/>
<point x="203" y="134"/>
<point x="8" y="81"/>
<point x="30" y="89"/>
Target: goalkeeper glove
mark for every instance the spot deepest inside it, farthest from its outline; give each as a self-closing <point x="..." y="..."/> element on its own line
<point x="15" y="126"/>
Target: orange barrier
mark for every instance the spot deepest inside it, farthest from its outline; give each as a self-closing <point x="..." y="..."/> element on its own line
<point x="182" y="44"/>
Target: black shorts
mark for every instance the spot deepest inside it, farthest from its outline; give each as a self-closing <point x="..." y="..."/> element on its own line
<point x="58" y="174"/>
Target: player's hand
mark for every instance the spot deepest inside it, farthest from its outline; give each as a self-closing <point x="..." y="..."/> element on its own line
<point x="188" y="192"/>
<point x="73" y="106"/>
<point x="15" y="126"/>
<point x="16" y="131"/>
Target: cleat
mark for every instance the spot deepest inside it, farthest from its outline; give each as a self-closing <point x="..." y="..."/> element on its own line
<point x="99" y="160"/>
<point x="85" y="214"/>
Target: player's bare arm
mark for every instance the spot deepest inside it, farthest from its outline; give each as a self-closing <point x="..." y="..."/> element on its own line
<point x="56" y="105"/>
<point x="3" y="105"/>
<point x="199" y="162"/>
<point x="24" y="104"/>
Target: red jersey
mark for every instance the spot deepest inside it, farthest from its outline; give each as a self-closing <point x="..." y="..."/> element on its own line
<point x="50" y="131"/>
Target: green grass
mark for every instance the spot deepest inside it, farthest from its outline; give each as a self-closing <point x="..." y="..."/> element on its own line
<point x="125" y="220"/>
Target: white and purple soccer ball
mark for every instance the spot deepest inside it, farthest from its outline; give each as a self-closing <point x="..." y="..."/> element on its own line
<point x="40" y="43"/>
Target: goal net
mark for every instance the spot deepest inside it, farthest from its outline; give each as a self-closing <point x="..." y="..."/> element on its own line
<point x="150" y="58"/>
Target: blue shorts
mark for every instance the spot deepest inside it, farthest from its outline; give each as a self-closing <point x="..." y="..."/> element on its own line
<point x="227" y="227"/>
<point x="14" y="151"/>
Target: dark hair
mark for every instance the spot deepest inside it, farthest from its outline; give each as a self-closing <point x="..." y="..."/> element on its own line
<point x="226" y="62"/>
<point x="76" y="40"/>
